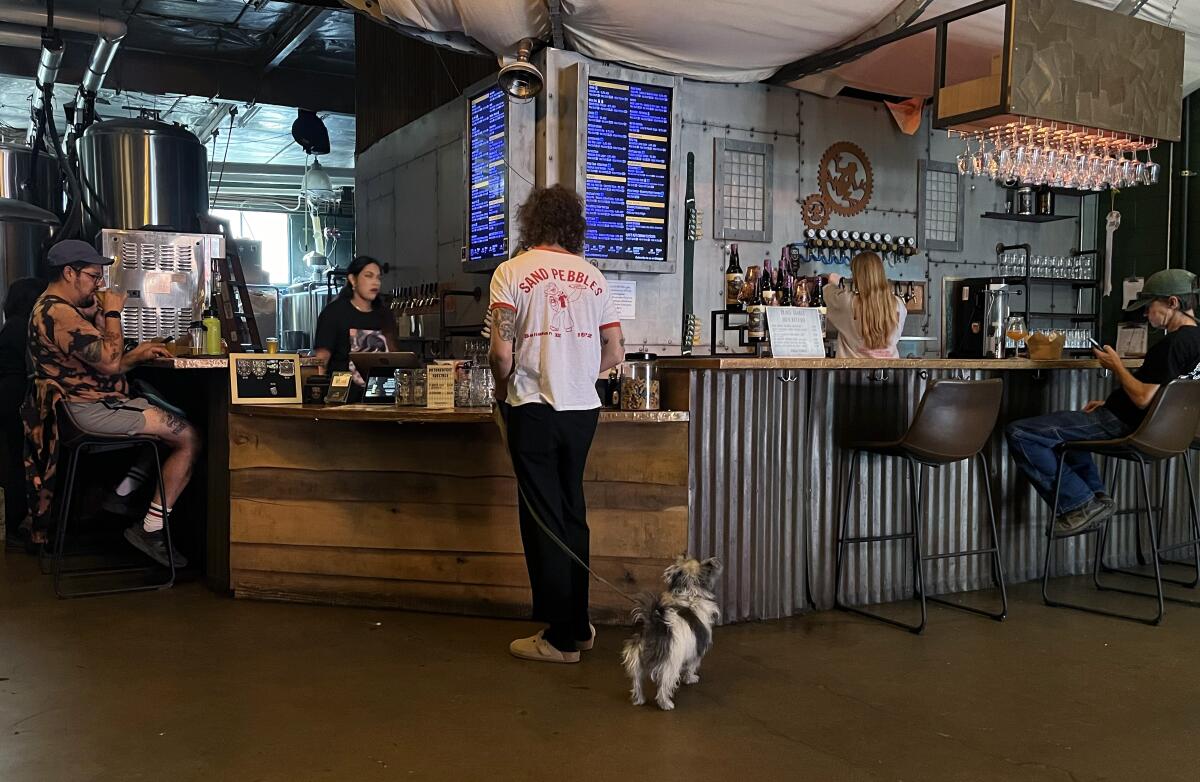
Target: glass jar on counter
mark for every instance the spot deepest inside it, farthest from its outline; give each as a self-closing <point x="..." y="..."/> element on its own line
<point x="639" y="382"/>
<point x="404" y="387"/>
<point x="419" y="387"/>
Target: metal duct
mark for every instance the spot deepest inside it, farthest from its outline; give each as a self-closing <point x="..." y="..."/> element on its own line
<point x="109" y="32"/>
<point x="19" y="37"/>
<point x="47" y="74"/>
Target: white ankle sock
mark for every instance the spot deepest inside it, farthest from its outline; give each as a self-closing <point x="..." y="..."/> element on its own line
<point x="154" y="518"/>
<point x="133" y="480"/>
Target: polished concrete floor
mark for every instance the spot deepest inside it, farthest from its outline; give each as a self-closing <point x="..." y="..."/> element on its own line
<point x="186" y="685"/>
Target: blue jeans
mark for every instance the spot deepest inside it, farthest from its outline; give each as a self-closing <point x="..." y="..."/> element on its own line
<point x="1031" y="441"/>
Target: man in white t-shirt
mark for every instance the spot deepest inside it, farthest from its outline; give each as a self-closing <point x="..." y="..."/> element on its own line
<point x="553" y="332"/>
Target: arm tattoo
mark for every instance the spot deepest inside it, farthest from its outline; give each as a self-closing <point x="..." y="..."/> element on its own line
<point x="91" y="353"/>
<point x="505" y="322"/>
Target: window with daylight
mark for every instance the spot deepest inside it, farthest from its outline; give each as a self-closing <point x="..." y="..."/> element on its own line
<point x="270" y="228"/>
<point x="941" y="205"/>
<point x="743" y="190"/>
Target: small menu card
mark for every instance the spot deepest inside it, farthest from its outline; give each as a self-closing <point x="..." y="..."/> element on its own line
<point x="439" y="381"/>
<point x="795" y="332"/>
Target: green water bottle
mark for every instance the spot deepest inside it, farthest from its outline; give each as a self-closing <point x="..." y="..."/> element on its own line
<point x="212" y="333"/>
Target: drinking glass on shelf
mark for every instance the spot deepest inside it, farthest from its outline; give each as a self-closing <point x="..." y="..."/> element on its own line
<point x="1016" y="331"/>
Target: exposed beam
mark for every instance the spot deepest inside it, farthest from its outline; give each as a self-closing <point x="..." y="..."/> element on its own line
<point x="212" y="120"/>
<point x="296" y="28"/>
<point x="158" y="73"/>
<point x="1130" y="7"/>
<point x="823" y="61"/>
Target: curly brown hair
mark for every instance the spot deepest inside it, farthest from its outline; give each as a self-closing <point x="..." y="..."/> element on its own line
<point x="552" y="215"/>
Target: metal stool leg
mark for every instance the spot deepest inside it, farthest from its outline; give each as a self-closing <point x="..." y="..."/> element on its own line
<point x="162" y="493"/>
<point x="844" y="529"/>
<point x="916" y="475"/>
<point x="993" y="551"/>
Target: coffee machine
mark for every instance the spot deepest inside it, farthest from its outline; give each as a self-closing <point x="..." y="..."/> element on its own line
<point x="981" y="308"/>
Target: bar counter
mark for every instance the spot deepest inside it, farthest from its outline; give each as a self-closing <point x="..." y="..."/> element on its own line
<point x="413" y="508"/>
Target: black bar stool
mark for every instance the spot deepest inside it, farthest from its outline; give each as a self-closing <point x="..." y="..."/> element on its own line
<point x="1167" y="432"/>
<point x="952" y="424"/>
<point x="74" y="444"/>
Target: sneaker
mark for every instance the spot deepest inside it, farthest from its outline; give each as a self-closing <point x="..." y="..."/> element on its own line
<point x="153" y="545"/>
<point x="1079" y="519"/>
<point x="586" y="646"/>
<point x="1108" y="507"/>
<point x="538" y="649"/>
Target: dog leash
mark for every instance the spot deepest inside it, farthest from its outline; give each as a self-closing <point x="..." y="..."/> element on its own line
<point x="498" y="417"/>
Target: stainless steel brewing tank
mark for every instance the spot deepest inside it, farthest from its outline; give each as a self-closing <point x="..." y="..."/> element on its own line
<point x="44" y="189"/>
<point x="141" y="173"/>
<point x="23" y="230"/>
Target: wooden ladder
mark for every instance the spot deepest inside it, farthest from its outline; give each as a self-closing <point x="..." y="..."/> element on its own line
<point x="231" y="297"/>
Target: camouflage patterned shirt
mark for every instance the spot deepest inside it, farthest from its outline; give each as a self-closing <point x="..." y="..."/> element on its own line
<point x="58" y="335"/>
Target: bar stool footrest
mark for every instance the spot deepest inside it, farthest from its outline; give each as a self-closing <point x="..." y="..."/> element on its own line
<point x="971" y="553"/>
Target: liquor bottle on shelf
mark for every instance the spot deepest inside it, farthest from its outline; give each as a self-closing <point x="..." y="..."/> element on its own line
<point x="783" y="297"/>
<point x="756" y="328"/>
<point x="818" y="297"/>
<point x="766" y="286"/>
<point x="734" y="278"/>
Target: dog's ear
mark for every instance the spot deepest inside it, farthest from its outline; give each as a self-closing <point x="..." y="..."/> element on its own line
<point x="709" y="570"/>
<point x="673" y="572"/>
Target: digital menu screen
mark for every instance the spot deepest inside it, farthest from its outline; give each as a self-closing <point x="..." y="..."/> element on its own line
<point x="487" y="129"/>
<point x="628" y="170"/>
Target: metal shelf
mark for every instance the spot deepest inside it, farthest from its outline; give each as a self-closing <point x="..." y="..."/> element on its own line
<point x="1082" y="318"/>
<point x="1026" y="218"/>
<point x="1015" y="279"/>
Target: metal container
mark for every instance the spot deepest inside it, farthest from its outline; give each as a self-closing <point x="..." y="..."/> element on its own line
<point x="24" y="229"/>
<point x="301" y="306"/>
<point x="44" y="189"/>
<point x="143" y="174"/>
<point x="166" y="276"/>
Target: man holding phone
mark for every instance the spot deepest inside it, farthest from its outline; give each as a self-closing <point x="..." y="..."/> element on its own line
<point x="1167" y="297"/>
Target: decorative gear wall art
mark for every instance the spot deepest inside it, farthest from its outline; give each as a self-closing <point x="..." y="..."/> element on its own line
<point x="815" y="211"/>
<point x="845" y="179"/>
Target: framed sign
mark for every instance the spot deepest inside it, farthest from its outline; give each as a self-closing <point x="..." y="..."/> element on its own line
<point x="264" y="378"/>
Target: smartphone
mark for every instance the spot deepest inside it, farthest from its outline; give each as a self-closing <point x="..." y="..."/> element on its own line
<point x="1095" y="344"/>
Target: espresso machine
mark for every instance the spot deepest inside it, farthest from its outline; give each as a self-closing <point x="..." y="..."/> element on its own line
<point x="981" y="309"/>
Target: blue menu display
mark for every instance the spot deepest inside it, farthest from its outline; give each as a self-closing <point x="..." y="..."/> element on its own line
<point x="628" y="170"/>
<point x="487" y="128"/>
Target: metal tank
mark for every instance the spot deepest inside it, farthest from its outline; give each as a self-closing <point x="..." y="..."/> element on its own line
<point x="44" y="189"/>
<point x="24" y="229"/>
<point x="141" y="173"/>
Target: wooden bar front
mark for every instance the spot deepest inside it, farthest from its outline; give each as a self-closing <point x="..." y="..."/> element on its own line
<point x="416" y="509"/>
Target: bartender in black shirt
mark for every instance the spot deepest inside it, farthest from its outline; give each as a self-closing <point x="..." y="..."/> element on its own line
<point x="1168" y="296"/>
<point x="357" y="321"/>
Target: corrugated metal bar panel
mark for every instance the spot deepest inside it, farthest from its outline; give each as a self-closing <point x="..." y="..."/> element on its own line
<point x="767" y="470"/>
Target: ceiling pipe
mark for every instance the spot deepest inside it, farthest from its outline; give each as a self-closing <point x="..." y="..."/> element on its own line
<point x="47" y="74"/>
<point x="109" y="34"/>
<point x="19" y="37"/>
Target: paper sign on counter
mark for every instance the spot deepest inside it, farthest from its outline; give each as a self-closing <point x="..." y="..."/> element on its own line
<point x="795" y="332"/>
<point x="623" y="295"/>
<point x="439" y="383"/>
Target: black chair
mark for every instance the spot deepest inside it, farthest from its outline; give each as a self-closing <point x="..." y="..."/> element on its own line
<point x="1166" y="433"/>
<point x="74" y="445"/>
<point x="952" y="424"/>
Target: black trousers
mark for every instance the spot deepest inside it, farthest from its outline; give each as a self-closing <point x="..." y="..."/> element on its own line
<point x="549" y="451"/>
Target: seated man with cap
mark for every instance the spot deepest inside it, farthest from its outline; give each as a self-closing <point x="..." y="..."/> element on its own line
<point x="1168" y="297"/>
<point x="76" y="352"/>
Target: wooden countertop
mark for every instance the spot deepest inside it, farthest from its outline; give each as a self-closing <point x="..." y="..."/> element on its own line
<point x="211" y="362"/>
<point x="750" y="362"/>
<point x="421" y="415"/>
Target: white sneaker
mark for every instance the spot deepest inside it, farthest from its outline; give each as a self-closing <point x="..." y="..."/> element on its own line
<point x="586" y="646"/>
<point x="538" y="649"/>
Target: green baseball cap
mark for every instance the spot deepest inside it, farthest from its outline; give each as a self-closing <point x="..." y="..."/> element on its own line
<point x="1168" y="282"/>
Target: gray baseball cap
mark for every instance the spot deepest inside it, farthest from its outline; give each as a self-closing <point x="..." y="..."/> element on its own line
<point x="72" y="251"/>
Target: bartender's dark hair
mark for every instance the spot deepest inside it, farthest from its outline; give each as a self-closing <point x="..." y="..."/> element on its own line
<point x="359" y="263"/>
<point x="22" y="293"/>
<point x="552" y="215"/>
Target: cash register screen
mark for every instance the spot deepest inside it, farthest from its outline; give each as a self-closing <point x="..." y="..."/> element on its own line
<point x="380" y="388"/>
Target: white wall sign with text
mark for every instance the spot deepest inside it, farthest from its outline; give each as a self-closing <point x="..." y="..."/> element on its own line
<point x="795" y="332"/>
<point x="623" y="294"/>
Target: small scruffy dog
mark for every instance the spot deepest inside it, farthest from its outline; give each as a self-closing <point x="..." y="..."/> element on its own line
<point x="674" y="630"/>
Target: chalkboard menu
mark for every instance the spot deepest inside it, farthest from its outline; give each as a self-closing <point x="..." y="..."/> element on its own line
<point x="487" y="130"/>
<point x="628" y="170"/>
<point x="264" y="378"/>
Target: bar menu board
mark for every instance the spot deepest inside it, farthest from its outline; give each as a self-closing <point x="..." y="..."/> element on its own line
<point x="487" y="126"/>
<point x="628" y="170"/>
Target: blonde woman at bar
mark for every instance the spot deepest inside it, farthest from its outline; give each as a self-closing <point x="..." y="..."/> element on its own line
<point x="869" y="318"/>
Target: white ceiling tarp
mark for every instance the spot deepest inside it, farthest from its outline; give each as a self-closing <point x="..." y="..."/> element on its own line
<point x="713" y="40"/>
